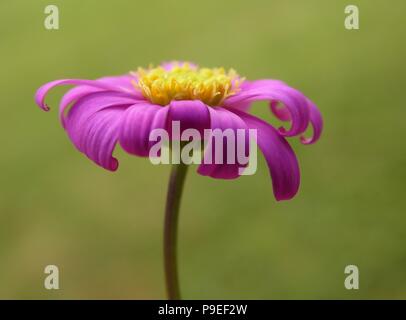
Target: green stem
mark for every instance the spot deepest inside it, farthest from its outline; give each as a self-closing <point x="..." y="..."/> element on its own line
<point x="174" y="195"/>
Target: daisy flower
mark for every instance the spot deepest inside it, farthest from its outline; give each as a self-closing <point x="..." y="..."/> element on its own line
<point x="99" y="114"/>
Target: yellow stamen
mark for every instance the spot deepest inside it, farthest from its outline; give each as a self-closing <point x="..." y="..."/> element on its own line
<point x="186" y="82"/>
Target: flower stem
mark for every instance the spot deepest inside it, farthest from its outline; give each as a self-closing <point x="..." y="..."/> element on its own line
<point x="175" y="187"/>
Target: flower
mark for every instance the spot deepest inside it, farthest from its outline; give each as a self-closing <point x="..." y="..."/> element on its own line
<point x="98" y="114"/>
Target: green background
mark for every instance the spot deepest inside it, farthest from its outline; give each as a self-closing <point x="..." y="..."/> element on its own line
<point x="104" y="230"/>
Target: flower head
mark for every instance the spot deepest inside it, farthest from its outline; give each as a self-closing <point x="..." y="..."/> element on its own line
<point x="98" y="114"/>
<point x="185" y="81"/>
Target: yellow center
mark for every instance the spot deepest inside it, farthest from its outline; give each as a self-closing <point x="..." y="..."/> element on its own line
<point x="187" y="82"/>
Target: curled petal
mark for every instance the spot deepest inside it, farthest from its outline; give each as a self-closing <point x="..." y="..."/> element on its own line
<point x="123" y="82"/>
<point x="138" y="122"/>
<point x="223" y="119"/>
<point x="281" y="113"/>
<point x="261" y="83"/>
<point x="104" y="85"/>
<point x="274" y="90"/>
<point x="316" y="119"/>
<point x="317" y="123"/>
<point x="93" y="124"/>
<point x="281" y="160"/>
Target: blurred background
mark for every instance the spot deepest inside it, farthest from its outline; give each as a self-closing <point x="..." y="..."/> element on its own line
<point x="104" y="230"/>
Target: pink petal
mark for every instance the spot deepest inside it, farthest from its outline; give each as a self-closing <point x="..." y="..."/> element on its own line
<point x="274" y="90"/>
<point x="73" y="95"/>
<point x="223" y="119"/>
<point x="138" y="122"/>
<point x="140" y="119"/>
<point x="191" y="114"/>
<point x="282" y="162"/>
<point x="110" y="85"/>
<point x="93" y="124"/>
<point x="280" y="111"/>
<point x="317" y="123"/>
<point x="124" y="83"/>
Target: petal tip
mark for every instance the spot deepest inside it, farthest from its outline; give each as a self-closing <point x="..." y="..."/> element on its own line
<point x="307" y="141"/>
<point x="113" y="166"/>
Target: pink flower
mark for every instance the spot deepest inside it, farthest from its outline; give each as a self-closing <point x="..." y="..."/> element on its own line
<point x="125" y="109"/>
